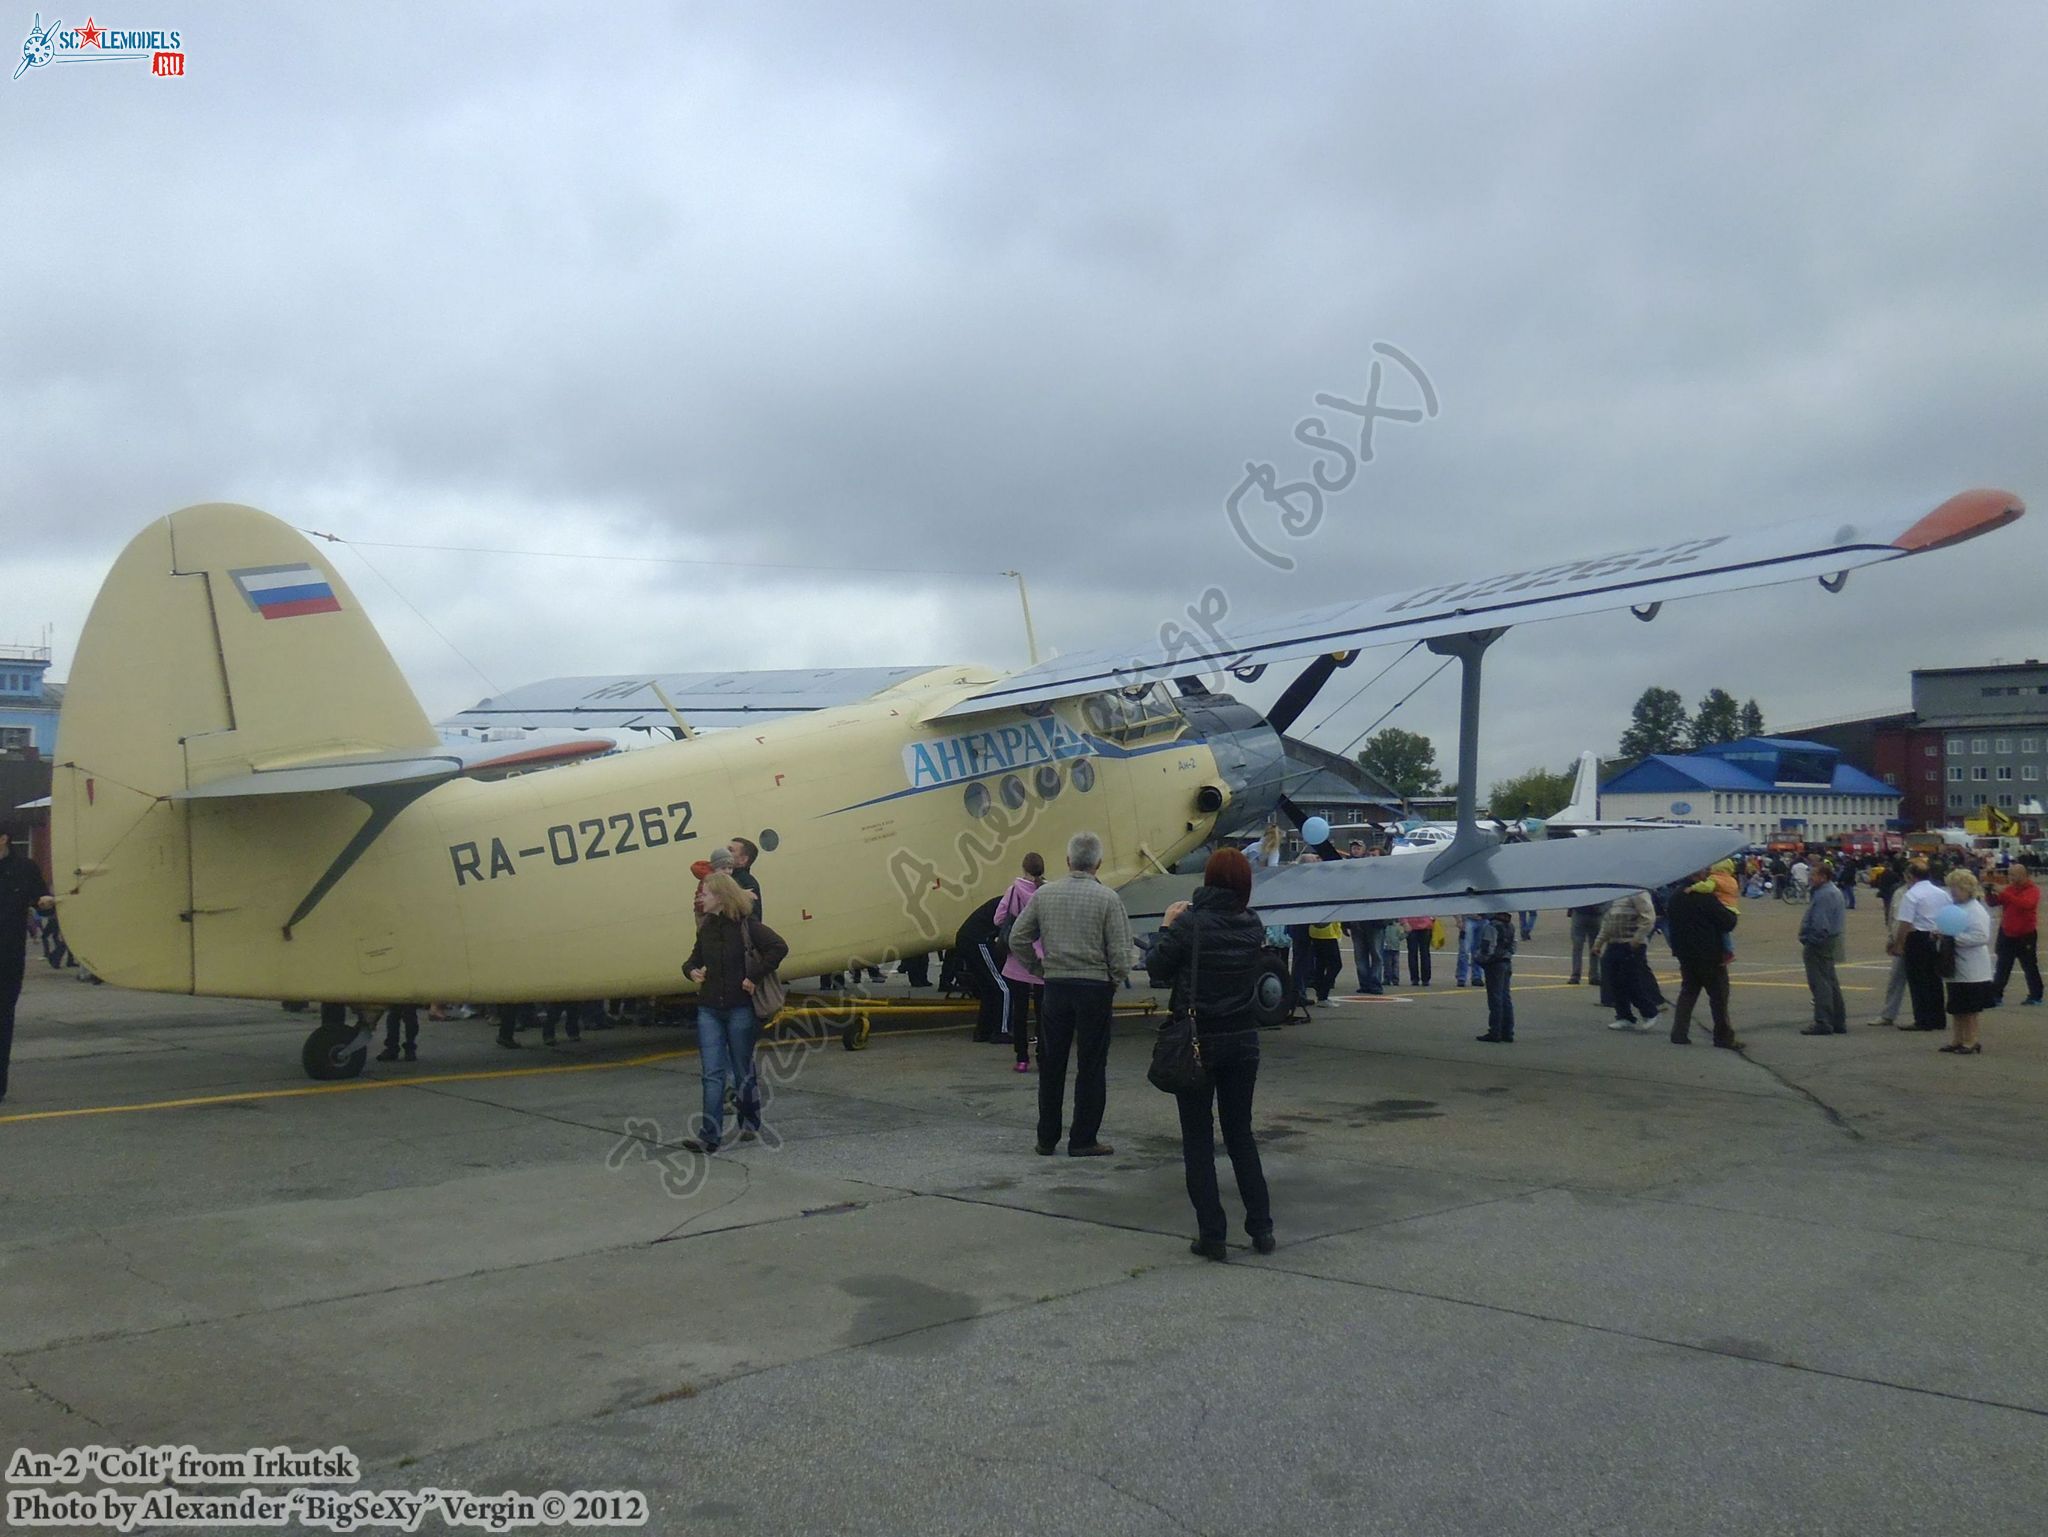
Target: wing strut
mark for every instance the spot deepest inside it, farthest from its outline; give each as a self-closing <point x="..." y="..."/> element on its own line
<point x="1470" y="838"/>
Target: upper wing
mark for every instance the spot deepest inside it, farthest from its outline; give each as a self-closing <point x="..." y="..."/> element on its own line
<point x="1570" y="872"/>
<point x="1684" y="569"/>
<point x="701" y="698"/>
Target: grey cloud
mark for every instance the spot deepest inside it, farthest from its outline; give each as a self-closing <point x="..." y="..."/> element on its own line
<point x="973" y="286"/>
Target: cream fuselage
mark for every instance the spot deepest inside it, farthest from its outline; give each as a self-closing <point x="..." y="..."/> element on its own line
<point x="576" y="883"/>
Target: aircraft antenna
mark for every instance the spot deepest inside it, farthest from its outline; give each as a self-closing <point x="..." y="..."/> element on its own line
<point x="1024" y="598"/>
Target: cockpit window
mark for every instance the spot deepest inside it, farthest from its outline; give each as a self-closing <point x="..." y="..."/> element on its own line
<point x="1147" y="714"/>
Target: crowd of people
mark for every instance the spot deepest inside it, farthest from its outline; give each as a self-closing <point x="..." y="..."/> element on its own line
<point x="1950" y="956"/>
<point x="1046" y="958"/>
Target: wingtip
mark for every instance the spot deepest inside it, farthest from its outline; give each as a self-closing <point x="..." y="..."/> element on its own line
<point x="1963" y="516"/>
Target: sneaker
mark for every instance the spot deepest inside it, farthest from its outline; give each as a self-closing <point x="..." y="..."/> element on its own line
<point x="700" y="1145"/>
<point x="1879" y="1024"/>
<point x="1818" y="1030"/>
<point x="1618" y="1023"/>
<point x="748" y="1134"/>
<point x="1022" y="1067"/>
<point x="2030" y="1003"/>
<point x="1091" y="1150"/>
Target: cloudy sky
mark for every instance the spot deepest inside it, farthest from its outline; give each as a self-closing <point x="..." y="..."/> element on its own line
<point x="874" y="302"/>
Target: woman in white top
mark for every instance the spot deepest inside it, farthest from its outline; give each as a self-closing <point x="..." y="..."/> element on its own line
<point x="1970" y="990"/>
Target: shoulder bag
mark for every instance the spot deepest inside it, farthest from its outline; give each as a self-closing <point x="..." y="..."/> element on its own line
<point x="1177" y="1066"/>
<point x="769" y="992"/>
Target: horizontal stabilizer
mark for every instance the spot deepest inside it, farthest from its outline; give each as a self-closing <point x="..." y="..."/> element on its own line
<point x="1569" y="872"/>
<point x="481" y="759"/>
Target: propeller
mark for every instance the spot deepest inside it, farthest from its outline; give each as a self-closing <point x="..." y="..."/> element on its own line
<point x="1301" y="693"/>
<point x="1327" y="849"/>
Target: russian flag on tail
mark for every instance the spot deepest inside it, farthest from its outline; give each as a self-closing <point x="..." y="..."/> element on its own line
<point x="285" y="592"/>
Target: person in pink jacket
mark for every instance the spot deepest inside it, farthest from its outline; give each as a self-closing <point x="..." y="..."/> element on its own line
<point x="1026" y="994"/>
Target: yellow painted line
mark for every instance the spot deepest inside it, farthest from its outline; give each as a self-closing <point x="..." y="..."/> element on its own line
<point x="355" y="1086"/>
<point x="807" y="1010"/>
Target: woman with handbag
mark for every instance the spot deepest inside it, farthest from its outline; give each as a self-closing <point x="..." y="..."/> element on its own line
<point x="1209" y="953"/>
<point x="733" y="964"/>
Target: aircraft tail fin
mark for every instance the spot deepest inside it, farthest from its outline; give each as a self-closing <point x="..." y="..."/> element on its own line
<point x="1585" y="801"/>
<point x="222" y="643"/>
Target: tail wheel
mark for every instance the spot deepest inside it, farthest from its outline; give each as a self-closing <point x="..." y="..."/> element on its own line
<point x="337" y="1049"/>
<point x="855" y="1036"/>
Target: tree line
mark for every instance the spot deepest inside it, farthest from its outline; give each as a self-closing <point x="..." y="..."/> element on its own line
<point x="1659" y="723"/>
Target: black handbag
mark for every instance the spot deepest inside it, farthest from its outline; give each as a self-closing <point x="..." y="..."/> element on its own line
<point x="1177" y="1065"/>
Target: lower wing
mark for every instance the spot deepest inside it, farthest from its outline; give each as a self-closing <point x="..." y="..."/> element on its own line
<point x="1567" y="872"/>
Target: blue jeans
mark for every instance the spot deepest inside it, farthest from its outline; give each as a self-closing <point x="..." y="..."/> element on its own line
<point x="1365" y="958"/>
<point x="1528" y="924"/>
<point x="725" y="1044"/>
<point x="1500" y="1003"/>
<point x="1468" y="931"/>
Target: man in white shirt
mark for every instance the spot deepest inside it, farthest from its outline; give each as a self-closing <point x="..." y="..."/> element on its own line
<point x="1913" y="936"/>
<point x="1802" y="879"/>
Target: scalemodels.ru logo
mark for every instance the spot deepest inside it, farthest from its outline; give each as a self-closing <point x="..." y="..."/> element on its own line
<point x="93" y="43"/>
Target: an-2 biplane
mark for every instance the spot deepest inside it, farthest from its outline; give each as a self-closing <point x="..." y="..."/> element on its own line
<point x="249" y="801"/>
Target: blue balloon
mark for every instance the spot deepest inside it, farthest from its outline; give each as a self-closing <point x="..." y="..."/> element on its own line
<point x="1951" y="921"/>
<point x="1314" y="831"/>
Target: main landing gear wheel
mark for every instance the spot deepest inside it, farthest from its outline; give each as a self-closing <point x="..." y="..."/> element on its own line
<point x="854" y="1037"/>
<point x="1272" y="992"/>
<point x="337" y="1049"/>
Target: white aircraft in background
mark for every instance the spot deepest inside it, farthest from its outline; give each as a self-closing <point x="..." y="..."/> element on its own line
<point x="1580" y="817"/>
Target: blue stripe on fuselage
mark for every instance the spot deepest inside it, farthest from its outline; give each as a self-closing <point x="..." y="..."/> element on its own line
<point x="1101" y="749"/>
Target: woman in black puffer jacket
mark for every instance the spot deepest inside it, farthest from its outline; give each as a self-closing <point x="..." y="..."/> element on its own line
<point x="1210" y="952"/>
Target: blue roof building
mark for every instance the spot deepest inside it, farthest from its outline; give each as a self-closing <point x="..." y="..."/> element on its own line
<point x="1769" y="787"/>
<point x="28" y="703"/>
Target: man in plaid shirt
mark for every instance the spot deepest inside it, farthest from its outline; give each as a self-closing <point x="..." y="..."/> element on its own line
<point x="1086" y="936"/>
